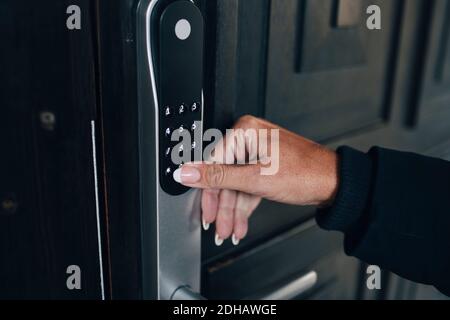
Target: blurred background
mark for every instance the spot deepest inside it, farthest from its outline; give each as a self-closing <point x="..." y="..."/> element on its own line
<point x="311" y="66"/>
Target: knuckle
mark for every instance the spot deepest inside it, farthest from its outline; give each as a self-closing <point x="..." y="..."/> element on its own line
<point x="241" y="216"/>
<point x="226" y="214"/>
<point x="248" y="121"/>
<point x="211" y="193"/>
<point x="215" y="175"/>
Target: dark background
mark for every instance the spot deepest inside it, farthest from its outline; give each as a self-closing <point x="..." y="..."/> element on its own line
<point x="309" y="65"/>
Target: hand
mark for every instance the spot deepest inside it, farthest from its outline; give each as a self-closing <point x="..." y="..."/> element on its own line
<point x="307" y="175"/>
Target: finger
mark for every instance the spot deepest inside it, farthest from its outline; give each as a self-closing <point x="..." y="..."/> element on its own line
<point x="238" y="142"/>
<point x="218" y="153"/>
<point x="246" y="178"/>
<point x="236" y="146"/>
<point x="224" y="150"/>
<point x="245" y="205"/>
<point x="225" y="215"/>
<point x="254" y="133"/>
<point x="210" y="205"/>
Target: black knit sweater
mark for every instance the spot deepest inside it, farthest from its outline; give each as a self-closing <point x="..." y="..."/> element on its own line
<point x="394" y="209"/>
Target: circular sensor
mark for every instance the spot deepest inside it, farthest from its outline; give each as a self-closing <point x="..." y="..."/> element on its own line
<point x="183" y="29"/>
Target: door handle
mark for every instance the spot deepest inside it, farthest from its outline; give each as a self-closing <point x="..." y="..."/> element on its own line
<point x="287" y="292"/>
<point x="186" y="293"/>
<point x="294" y="288"/>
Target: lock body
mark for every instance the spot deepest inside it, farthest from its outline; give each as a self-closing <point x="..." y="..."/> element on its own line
<point x="171" y="106"/>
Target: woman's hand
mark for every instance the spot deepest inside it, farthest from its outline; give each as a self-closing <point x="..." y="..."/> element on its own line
<point x="307" y="175"/>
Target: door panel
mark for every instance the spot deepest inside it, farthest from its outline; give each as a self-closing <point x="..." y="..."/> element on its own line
<point x="320" y="71"/>
<point x="436" y="80"/>
<point x="48" y="217"/>
<point x="321" y="27"/>
<point x="261" y="271"/>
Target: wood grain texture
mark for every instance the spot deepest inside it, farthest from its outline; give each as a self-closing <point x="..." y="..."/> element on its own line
<point x="119" y="117"/>
<point x="47" y="101"/>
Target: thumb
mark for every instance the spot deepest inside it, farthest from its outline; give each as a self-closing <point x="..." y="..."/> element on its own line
<point x="243" y="178"/>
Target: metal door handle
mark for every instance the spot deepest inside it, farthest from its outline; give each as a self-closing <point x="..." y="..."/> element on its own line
<point x="294" y="288"/>
<point x="186" y="293"/>
<point x="289" y="291"/>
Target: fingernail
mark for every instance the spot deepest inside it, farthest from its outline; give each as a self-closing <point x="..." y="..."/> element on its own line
<point x="205" y="225"/>
<point x="218" y="240"/>
<point x="235" y="240"/>
<point x="186" y="175"/>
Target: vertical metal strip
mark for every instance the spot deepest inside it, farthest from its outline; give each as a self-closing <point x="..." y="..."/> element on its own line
<point x="97" y="208"/>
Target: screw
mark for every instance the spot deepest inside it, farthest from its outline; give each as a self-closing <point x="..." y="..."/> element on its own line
<point x="9" y="205"/>
<point x="48" y="120"/>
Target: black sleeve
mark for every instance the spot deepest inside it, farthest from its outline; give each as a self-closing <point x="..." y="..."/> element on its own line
<point x="394" y="210"/>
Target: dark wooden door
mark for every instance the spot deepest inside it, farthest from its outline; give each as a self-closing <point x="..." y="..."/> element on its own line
<point x="309" y="65"/>
<point x="48" y="216"/>
<point x="436" y="80"/>
<point x="327" y="73"/>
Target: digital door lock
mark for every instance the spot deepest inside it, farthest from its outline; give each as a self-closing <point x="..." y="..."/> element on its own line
<point x="170" y="46"/>
<point x="180" y="81"/>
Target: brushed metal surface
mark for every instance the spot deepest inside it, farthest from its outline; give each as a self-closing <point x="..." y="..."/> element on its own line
<point x="294" y="288"/>
<point x="177" y="218"/>
<point x="186" y="293"/>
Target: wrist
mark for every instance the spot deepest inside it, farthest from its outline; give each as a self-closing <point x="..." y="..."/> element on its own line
<point x="330" y="178"/>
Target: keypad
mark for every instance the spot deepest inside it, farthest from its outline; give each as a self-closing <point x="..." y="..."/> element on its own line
<point x="183" y="119"/>
<point x="180" y="84"/>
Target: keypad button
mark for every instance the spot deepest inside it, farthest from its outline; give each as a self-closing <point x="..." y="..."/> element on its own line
<point x="168" y="152"/>
<point x="182" y="109"/>
<point x="195" y="107"/>
<point x="168" y="112"/>
<point x="181" y="151"/>
<point x="168" y="132"/>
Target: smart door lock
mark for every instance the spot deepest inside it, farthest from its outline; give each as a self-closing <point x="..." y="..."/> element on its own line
<point x="170" y="37"/>
<point x="179" y="48"/>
